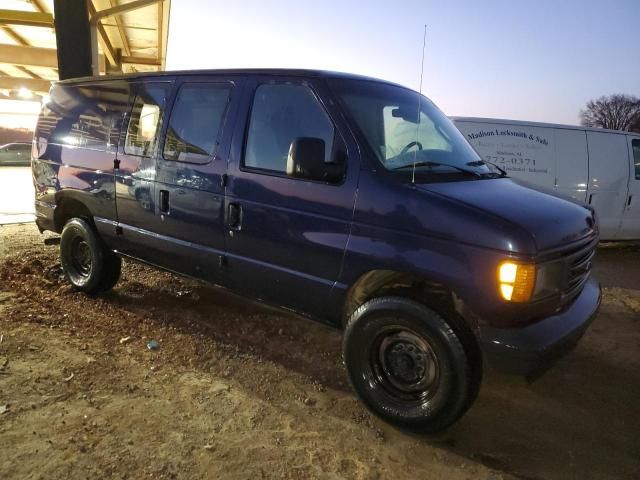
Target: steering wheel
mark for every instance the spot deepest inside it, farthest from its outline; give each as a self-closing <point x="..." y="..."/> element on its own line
<point x="415" y="143"/>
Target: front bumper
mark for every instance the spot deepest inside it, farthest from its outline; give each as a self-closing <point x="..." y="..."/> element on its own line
<point x="531" y="350"/>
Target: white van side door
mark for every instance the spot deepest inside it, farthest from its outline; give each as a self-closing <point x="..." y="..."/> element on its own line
<point x="630" y="229"/>
<point x="608" y="180"/>
<point x="572" y="167"/>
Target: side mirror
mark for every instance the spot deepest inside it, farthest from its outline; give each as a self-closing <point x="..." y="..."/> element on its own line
<point x="306" y="159"/>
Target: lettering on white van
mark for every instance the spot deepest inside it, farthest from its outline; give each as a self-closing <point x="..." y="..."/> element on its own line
<point x="507" y="133"/>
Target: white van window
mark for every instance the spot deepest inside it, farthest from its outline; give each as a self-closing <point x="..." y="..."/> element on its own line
<point x="280" y="114"/>
<point x="636" y="157"/>
<point x="142" y="131"/>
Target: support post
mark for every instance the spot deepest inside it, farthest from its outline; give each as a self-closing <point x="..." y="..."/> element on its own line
<point x="73" y="39"/>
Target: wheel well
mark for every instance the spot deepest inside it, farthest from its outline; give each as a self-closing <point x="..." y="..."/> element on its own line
<point x="438" y="297"/>
<point x="67" y="209"/>
<point x="378" y="283"/>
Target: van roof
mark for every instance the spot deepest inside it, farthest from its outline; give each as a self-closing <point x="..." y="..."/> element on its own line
<point x="522" y="123"/>
<point x="293" y="72"/>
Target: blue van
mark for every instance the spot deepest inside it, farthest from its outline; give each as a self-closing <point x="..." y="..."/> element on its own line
<point x="349" y="200"/>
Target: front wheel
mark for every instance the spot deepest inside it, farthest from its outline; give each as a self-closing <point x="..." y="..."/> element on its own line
<point x="88" y="265"/>
<point x="408" y="365"/>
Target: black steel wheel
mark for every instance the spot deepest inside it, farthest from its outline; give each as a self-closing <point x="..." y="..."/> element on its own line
<point x="404" y="363"/>
<point x="408" y="365"/>
<point x="81" y="257"/>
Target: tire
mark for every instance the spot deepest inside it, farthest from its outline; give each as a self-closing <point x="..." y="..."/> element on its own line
<point x="408" y="365"/>
<point x="88" y="265"/>
<point x="111" y="275"/>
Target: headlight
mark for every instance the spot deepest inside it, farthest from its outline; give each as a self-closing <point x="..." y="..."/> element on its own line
<point x="516" y="281"/>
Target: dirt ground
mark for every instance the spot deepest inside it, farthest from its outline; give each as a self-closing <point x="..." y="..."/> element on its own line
<point x="236" y="390"/>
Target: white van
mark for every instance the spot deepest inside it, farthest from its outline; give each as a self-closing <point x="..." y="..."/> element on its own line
<point x="599" y="167"/>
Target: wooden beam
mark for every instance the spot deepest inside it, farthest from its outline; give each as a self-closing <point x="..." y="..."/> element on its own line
<point x="27" y="71"/>
<point x="122" y="31"/>
<point x="31" y="19"/>
<point x="39" y="6"/>
<point x="16" y="83"/>
<point x="159" y="36"/>
<point x="20" y="40"/>
<point x="141" y="60"/>
<point x="31" y="56"/>
<point x="28" y="56"/>
<point x="104" y="40"/>
<point x="126" y="7"/>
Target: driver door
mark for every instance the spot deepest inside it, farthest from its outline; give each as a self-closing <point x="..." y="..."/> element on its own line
<point x="286" y="236"/>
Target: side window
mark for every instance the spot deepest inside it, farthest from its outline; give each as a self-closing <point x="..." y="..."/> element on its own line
<point x="86" y="116"/>
<point x="195" y="123"/>
<point x="636" y="157"/>
<point x="280" y="114"/>
<point x="144" y="122"/>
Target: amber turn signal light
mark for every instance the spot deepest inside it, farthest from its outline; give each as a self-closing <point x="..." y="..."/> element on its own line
<point x="516" y="281"/>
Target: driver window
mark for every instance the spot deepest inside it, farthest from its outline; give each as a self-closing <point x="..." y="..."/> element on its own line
<point x="280" y="114"/>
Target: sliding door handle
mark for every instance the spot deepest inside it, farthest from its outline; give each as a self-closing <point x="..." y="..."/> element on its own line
<point x="164" y="201"/>
<point x="234" y="216"/>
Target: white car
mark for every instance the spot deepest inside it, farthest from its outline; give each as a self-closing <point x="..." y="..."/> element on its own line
<point x="596" y="166"/>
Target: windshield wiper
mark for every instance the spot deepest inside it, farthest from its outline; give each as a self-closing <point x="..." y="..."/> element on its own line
<point x="478" y="163"/>
<point x="438" y="164"/>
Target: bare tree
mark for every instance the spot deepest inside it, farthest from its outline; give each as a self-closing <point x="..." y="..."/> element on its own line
<point x="617" y="112"/>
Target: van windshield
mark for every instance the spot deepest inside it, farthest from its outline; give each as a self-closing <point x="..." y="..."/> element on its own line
<point x="387" y="116"/>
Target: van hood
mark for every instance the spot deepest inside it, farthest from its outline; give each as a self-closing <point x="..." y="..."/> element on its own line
<point x="552" y="221"/>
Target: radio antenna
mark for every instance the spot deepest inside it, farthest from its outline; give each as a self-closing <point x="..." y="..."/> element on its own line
<point x="415" y="152"/>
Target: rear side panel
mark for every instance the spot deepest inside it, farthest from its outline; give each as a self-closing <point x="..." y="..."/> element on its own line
<point x="608" y="180"/>
<point x="75" y="144"/>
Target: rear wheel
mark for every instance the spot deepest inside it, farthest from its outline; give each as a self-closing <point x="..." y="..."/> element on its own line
<point x="408" y="365"/>
<point x="87" y="263"/>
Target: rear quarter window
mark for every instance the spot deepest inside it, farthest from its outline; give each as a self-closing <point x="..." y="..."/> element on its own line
<point x="84" y="116"/>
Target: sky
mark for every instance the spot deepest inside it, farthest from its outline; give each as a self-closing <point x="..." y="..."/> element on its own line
<point x="523" y="60"/>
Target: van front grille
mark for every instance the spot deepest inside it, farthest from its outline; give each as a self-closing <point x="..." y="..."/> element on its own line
<point x="578" y="264"/>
